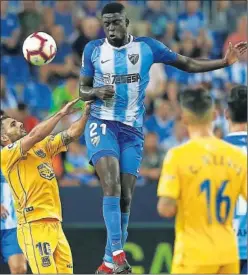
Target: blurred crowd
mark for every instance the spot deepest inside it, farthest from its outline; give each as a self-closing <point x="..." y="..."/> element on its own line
<point x="199" y="29"/>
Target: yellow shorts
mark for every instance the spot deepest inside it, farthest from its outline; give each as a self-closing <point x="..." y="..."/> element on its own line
<point x="45" y="247"/>
<point x="206" y="269"/>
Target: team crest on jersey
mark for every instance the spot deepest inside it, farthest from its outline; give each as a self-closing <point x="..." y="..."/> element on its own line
<point x="46" y="261"/>
<point x="40" y="153"/>
<point x="134" y="58"/>
<point x="46" y="171"/>
<point x="95" y="140"/>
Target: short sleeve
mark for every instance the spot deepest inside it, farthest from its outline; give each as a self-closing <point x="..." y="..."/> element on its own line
<point x="243" y="191"/>
<point x="87" y="68"/>
<point x="161" y="53"/>
<point x="169" y="184"/>
<point x="54" y="145"/>
<point x="10" y="155"/>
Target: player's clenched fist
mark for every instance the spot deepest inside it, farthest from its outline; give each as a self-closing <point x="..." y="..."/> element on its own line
<point x="105" y="92"/>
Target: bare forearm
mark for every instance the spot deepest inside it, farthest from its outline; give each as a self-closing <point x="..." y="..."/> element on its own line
<point x="87" y="93"/>
<point x="193" y="65"/>
<point x="205" y="65"/>
<point x="45" y="128"/>
<point x="75" y="131"/>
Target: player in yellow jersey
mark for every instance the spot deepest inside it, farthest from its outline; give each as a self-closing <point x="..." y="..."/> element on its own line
<point x="26" y="163"/>
<point x="200" y="183"/>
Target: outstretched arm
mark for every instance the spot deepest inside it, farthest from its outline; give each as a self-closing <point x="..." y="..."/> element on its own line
<point x="45" y="128"/>
<point x="192" y="65"/>
<point x="77" y="128"/>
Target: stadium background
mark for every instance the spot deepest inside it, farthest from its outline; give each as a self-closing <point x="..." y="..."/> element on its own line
<point x="200" y="29"/>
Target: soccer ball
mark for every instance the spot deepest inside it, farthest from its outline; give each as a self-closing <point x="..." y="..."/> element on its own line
<point x="39" y="48"/>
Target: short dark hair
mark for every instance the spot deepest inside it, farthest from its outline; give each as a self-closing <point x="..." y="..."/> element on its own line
<point x="237" y="104"/>
<point x="113" y="8"/>
<point x="197" y="101"/>
<point x="22" y="106"/>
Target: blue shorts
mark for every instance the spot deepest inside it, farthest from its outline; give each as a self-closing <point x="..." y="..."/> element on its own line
<point x="8" y="244"/>
<point x="113" y="138"/>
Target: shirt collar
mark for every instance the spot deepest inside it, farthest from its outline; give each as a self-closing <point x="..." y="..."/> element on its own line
<point x="241" y="133"/>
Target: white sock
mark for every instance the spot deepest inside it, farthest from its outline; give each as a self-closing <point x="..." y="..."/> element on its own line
<point x="109" y="265"/>
<point x="117" y="252"/>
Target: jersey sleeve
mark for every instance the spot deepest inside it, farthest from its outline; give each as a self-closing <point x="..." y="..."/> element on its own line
<point x="161" y="53"/>
<point x="54" y="145"/>
<point x="87" y="68"/>
<point x="169" y="184"/>
<point x="243" y="191"/>
<point x="10" y="155"/>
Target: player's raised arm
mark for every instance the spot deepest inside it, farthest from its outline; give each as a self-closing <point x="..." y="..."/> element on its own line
<point x="77" y="128"/>
<point x="162" y="54"/>
<point x="44" y="128"/>
<point x="193" y="65"/>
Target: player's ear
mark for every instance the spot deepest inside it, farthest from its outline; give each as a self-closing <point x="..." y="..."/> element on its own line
<point x="4" y="139"/>
<point x="127" y="22"/>
<point x="214" y="115"/>
<point x="184" y="118"/>
<point x="227" y="115"/>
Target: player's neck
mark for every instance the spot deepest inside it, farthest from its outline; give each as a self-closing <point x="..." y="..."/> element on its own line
<point x="237" y="127"/>
<point x="197" y="131"/>
<point x="121" y="43"/>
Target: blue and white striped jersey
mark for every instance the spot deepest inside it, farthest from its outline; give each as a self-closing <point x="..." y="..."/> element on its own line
<point x="237" y="73"/>
<point x="127" y="69"/>
<point x="7" y="202"/>
<point x="240" y="221"/>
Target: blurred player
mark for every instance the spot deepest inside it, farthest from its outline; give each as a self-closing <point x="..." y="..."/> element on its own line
<point x="200" y="183"/>
<point x="237" y="118"/>
<point x="115" y="73"/>
<point x="26" y="163"/>
<point x="10" y="251"/>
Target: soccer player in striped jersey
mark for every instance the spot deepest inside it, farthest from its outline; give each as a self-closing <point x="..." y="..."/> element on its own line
<point x="115" y="74"/>
<point x="10" y="251"/>
<point x="237" y="118"/>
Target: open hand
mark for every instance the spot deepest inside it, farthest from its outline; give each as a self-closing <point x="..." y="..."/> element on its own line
<point x="87" y="107"/>
<point x="68" y="108"/>
<point x="233" y="52"/>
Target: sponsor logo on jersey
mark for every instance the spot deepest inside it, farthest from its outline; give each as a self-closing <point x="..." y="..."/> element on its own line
<point x="120" y="79"/>
<point x="12" y="145"/>
<point x="104" y="61"/>
<point x="69" y="266"/>
<point x="40" y="153"/>
<point x="46" y="171"/>
<point x="29" y="209"/>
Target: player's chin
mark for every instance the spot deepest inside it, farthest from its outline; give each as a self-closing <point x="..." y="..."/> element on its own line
<point x="112" y="38"/>
<point x="23" y="133"/>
